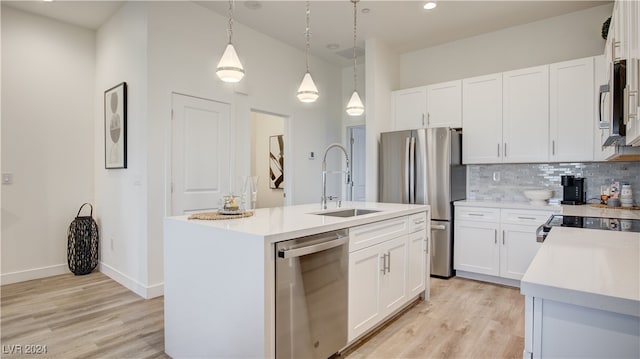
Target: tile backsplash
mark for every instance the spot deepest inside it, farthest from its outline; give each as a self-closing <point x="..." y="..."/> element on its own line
<point x="506" y="182"/>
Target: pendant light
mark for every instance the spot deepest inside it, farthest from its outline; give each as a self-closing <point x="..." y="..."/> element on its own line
<point x="355" y="106"/>
<point x="230" y="68"/>
<point x="307" y="92"/>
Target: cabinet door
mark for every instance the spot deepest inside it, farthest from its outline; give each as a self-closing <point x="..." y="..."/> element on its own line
<point x="476" y="247"/>
<point x="417" y="258"/>
<point x="601" y="108"/>
<point x="525" y="122"/>
<point x="482" y="119"/>
<point x="633" y="73"/>
<point x="393" y="281"/>
<point x="365" y="270"/>
<point x="619" y="24"/>
<point x="409" y="108"/>
<point x="571" y="117"/>
<point x="518" y="247"/>
<point x="444" y="104"/>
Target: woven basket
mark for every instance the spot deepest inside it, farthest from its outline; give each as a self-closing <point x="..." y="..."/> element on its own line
<point x="82" y="243"/>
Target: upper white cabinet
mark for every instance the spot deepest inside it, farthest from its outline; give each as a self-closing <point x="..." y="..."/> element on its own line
<point x="444" y="104"/>
<point x="632" y="46"/>
<point x="525" y="111"/>
<point x="571" y="112"/>
<point x="438" y="105"/>
<point x="482" y="124"/>
<point x="409" y="108"/>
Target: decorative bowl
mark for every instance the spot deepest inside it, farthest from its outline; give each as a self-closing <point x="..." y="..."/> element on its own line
<point x="538" y="196"/>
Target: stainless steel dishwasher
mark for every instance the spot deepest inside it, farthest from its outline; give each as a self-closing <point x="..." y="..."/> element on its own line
<point x="311" y="295"/>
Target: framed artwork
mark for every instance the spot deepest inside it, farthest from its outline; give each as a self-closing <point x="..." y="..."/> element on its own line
<point x="115" y="127"/>
<point x="276" y="162"/>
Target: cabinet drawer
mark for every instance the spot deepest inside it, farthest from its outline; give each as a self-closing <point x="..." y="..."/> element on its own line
<point x="525" y="217"/>
<point x="417" y="222"/>
<point x="370" y="234"/>
<point x="478" y="214"/>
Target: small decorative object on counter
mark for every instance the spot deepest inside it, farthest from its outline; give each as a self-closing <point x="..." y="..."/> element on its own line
<point x="231" y="205"/>
<point x="626" y="195"/>
<point x="82" y="243"/>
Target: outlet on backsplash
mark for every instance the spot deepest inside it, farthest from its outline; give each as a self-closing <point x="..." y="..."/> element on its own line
<point x="505" y="182"/>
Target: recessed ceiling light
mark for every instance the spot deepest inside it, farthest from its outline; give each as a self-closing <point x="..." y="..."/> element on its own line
<point x="253" y="5"/>
<point x="333" y="46"/>
<point x="430" y="5"/>
<point x="366" y="10"/>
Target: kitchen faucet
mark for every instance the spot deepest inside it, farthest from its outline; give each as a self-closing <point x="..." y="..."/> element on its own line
<point x="323" y="200"/>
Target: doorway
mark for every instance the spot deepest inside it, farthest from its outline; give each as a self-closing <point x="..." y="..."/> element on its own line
<point x="357" y="152"/>
<point x="267" y="158"/>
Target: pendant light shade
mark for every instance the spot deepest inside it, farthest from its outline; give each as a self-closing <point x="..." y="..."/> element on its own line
<point x="307" y="92"/>
<point x="355" y="106"/>
<point x="230" y="68"/>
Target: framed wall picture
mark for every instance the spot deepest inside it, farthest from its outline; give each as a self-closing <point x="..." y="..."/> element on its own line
<point x="276" y="162"/>
<point x="115" y="127"/>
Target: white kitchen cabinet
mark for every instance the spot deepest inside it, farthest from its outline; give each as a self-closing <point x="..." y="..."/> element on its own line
<point x="482" y="119"/>
<point x="632" y="44"/>
<point x="496" y="243"/>
<point x="365" y="272"/>
<point x="409" y="108"/>
<point x="444" y="104"/>
<point x="525" y="111"/>
<point x="393" y="283"/>
<point x="571" y="116"/>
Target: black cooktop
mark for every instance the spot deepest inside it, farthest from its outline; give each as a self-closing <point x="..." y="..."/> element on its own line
<point x="611" y="224"/>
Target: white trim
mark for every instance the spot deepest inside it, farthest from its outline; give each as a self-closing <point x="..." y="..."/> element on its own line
<point x="488" y="278"/>
<point x="146" y="292"/>
<point x="35" y="273"/>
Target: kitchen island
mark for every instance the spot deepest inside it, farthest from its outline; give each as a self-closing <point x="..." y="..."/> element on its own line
<point x="220" y="275"/>
<point x="582" y="295"/>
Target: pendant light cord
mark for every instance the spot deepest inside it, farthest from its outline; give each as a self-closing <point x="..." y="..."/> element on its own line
<point x="355" y="76"/>
<point x="230" y="29"/>
<point x="308" y="34"/>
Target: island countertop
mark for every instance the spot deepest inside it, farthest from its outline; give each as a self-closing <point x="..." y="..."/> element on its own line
<point x="591" y="268"/>
<point x="282" y="223"/>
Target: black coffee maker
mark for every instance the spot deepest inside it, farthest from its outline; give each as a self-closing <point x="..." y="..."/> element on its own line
<point x="573" y="190"/>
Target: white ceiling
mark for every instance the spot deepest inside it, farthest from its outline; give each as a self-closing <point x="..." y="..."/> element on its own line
<point x="403" y="25"/>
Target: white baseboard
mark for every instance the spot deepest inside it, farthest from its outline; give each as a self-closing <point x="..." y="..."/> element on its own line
<point x="133" y="285"/>
<point x="488" y="278"/>
<point x="36" y="273"/>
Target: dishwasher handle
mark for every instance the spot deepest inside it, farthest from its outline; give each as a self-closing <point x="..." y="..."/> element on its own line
<point x="319" y="247"/>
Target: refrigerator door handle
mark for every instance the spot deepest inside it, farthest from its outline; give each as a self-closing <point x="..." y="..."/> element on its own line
<point x="412" y="170"/>
<point x="405" y="190"/>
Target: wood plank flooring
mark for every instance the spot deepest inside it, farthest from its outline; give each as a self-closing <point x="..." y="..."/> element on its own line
<point x="94" y="317"/>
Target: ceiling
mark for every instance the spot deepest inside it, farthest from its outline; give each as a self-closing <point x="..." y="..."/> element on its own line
<point x="402" y="25"/>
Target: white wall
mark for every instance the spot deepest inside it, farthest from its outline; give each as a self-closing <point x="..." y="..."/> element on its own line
<point x="262" y="127"/>
<point x="48" y="71"/>
<point x="121" y="196"/>
<point x="381" y="77"/>
<point x="560" y="38"/>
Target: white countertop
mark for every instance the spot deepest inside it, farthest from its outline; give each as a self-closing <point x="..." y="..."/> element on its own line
<point x="591" y="268"/>
<point x="282" y="223"/>
<point x="584" y="210"/>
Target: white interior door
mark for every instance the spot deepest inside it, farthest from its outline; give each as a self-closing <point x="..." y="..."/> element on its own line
<point x="358" y="160"/>
<point x="200" y="162"/>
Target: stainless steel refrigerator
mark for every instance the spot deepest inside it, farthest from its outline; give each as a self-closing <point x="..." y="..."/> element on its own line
<point x="424" y="166"/>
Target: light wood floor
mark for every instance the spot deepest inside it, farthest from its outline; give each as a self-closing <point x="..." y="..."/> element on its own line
<point x="94" y="317"/>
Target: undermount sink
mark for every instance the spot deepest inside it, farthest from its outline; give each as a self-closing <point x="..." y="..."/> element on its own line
<point x="351" y="212"/>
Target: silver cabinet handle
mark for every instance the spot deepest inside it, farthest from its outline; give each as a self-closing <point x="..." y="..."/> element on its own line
<point x="529" y="218"/>
<point x="438" y="227"/>
<point x="498" y="150"/>
<point x="298" y="252"/>
<point x="388" y="262"/>
<point x="416" y="221"/>
<point x="384" y="264"/>
<point x="495" y="236"/>
<point x="503" y="237"/>
<point x="505" y="149"/>
<point x="423" y="120"/>
<point x="477" y="214"/>
<point x="428" y="119"/>
<point x="553" y="147"/>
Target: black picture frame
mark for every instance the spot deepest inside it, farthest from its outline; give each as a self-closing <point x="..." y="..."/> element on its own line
<point x="115" y="127"/>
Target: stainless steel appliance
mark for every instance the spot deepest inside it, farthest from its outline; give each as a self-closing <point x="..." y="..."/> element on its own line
<point x="610" y="224"/>
<point x="311" y="295"/>
<point x="424" y="166"/>
<point x="573" y="190"/>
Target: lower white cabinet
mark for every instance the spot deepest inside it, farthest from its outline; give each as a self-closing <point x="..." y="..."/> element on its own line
<point x="495" y="242"/>
<point x="384" y="276"/>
